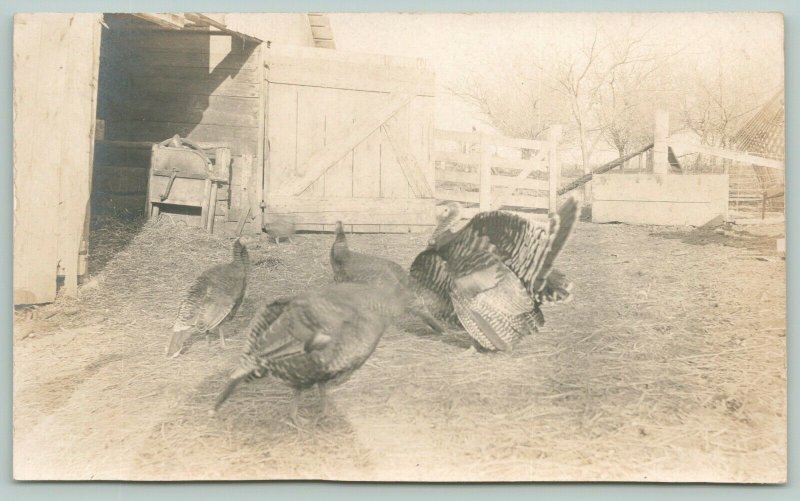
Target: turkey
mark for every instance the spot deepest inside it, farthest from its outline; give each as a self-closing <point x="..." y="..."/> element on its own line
<point x="351" y="266"/>
<point x="214" y="297"/>
<point x="280" y="226"/>
<point x="318" y="337"/>
<point x="491" y="276"/>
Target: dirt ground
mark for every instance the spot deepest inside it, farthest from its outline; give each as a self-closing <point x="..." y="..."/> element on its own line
<point x="668" y="365"/>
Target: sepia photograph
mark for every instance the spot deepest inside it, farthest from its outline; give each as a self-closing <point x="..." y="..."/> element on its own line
<point x="407" y="247"/>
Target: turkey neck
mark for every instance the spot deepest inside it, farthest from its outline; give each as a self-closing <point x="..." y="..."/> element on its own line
<point x="339" y="248"/>
<point x="240" y="255"/>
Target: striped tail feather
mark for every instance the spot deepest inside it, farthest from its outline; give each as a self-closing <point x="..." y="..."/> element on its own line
<point x="430" y="284"/>
<point x="564" y="222"/>
<point x="479" y="326"/>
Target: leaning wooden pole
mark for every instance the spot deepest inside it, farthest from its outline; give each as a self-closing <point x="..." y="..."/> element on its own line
<point x="600" y="170"/>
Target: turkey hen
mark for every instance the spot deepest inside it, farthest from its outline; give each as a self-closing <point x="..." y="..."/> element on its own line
<point x="214" y="297"/>
<point x="317" y="337"/>
<point x="351" y="266"/>
<point x="280" y="226"/>
<point x="492" y="275"/>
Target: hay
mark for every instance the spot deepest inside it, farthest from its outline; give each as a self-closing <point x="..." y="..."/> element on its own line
<point x="668" y="365"/>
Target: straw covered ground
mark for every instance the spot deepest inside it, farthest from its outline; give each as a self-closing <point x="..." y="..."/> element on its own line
<point x="668" y="365"/>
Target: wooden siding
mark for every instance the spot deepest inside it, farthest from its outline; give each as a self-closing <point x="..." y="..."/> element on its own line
<point x="55" y="78"/>
<point x="155" y="84"/>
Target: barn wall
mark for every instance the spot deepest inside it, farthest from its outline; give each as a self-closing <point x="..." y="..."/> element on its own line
<point x="55" y="79"/>
<point x="158" y="83"/>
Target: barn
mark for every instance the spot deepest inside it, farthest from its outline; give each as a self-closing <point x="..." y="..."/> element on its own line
<point x="311" y="132"/>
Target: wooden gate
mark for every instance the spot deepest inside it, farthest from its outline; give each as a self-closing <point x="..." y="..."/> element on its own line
<point x="349" y="138"/>
<point x="497" y="171"/>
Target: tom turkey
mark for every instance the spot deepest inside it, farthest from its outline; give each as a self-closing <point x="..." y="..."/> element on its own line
<point x="491" y="276"/>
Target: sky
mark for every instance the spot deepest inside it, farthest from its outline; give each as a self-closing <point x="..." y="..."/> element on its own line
<point x="457" y="46"/>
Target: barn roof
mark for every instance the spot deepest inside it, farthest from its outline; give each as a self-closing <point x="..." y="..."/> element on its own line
<point x="320" y="25"/>
<point x="763" y="135"/>
<point x="192" y="20"/>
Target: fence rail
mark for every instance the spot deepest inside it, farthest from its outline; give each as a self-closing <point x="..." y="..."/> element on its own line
<point x="496" y="171"/>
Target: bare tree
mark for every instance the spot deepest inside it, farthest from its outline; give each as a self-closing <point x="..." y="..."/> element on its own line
<point x="511" y="103"/>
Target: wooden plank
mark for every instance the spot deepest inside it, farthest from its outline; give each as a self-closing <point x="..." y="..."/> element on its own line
<point x="59" y="138"/>
<point x="183" y="192"/>
<point x="472" y="178"/>
<point x="473" y="159"/>
<point x="419" y="184"/>
<point x="163" y="20"/>
<point x="195" y="41"/>
<point x="420" y="137"/>
<point x="457" y="195"/>
<point x="655" y="212"/>
<point x="244" y="194"/>
<point x="348" y="76"/>
<point x="182" y="107"/>
<point x="183" y="59"/>
<point x="538" y="163"/>
<point x="143" y="85"/>
<point x="282" y="134"/>
<point x="83" y="252"/>
<point x="690" y="188"/>
<point x="262" y="161"/>
<point x="517" y="180"/>
<point x="201" y="41"/>
<point x="367" y="155"/>
<point x="35" y="192"/>
<point x="728" y="154"/>
<point x="527" y="201"/>
<point x="243" y="140"/>
<point x="356" y="210"/>
<point x="55" y="77"/>
<point x="340" y="114"/>
<point x="77" y="140"/>
<point x="322" y="160"/>
<point x="394" y="183"/>
<point x="310" y="138"/>
<point x="155" y="70"/>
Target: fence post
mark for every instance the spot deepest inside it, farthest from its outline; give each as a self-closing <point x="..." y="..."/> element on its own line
<point x="661" y="135"/>
<point x="485" y="187"/>
<point x="554" y="167"/>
